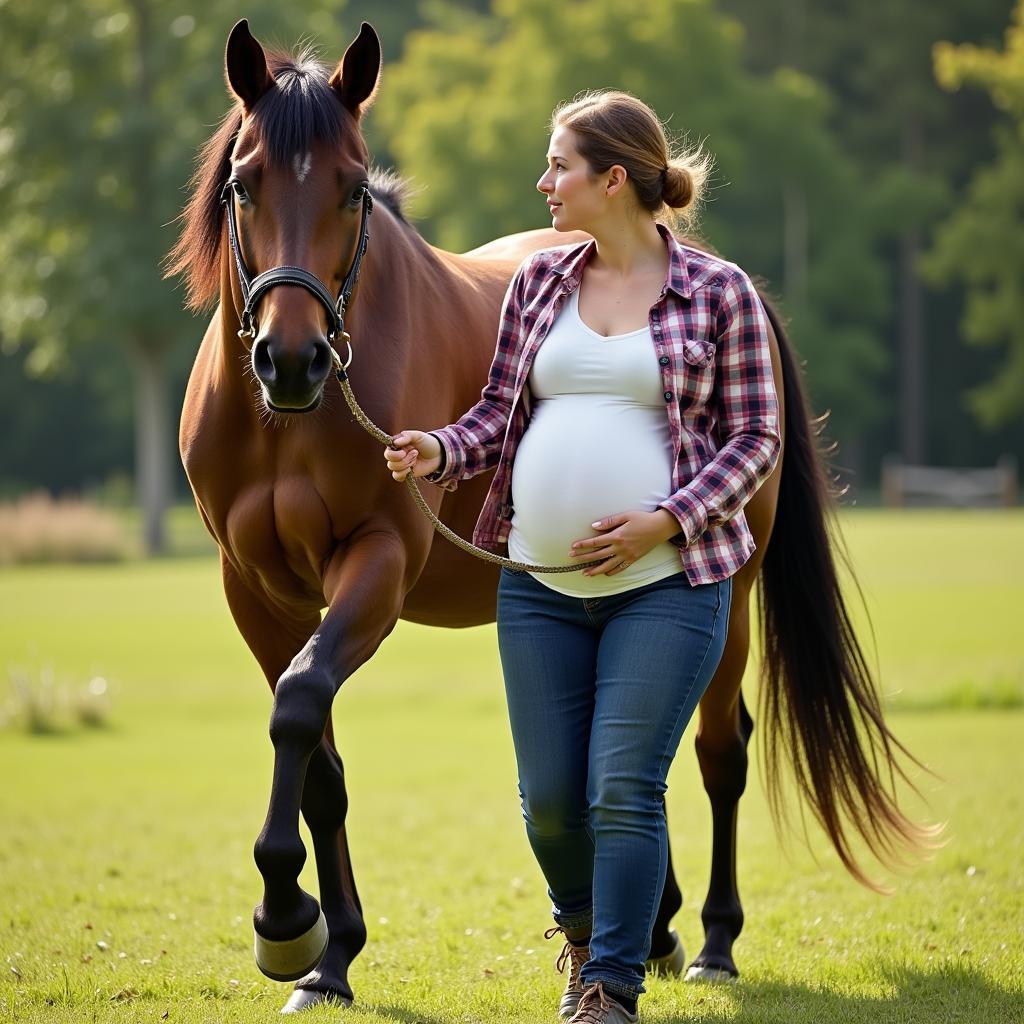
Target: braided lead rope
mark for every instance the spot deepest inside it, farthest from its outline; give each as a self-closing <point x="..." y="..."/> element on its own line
<point x="374" y="431"/>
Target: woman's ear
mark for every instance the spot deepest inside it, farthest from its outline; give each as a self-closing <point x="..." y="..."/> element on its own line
<point x="617" y="178"/>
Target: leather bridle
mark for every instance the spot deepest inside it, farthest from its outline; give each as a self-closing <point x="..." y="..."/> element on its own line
<point x="254" y="288"/>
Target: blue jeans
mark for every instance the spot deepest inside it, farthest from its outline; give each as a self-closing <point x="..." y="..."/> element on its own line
<point x="599" y="692"/>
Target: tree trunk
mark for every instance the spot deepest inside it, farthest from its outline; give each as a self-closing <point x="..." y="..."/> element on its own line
<point x="911" y="318"/>
<point x="794" y="197"/>
<point x="152" y="444"/>
<point x="794" y="243"/>
<point x="152" y="422"/>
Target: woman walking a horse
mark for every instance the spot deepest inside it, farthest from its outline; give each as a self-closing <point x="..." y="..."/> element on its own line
<point x="631" y="413"/>
<point x="685" y="491"/>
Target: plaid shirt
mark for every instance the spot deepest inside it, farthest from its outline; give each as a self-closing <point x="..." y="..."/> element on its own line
<point x="711" y="340"/>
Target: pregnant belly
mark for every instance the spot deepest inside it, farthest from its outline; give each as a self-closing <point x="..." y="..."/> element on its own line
<point x="580" y="461"/>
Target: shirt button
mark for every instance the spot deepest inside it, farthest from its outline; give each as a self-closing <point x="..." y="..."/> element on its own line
<point x="668" y="396"/>
<point x="664" y="360"/>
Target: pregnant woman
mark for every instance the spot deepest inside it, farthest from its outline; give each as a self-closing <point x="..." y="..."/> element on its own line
<point x="630" y="413"/>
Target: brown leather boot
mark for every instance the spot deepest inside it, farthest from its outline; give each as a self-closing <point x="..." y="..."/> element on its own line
<point x="597" y="1008"/>
<point x="575" y="957"/>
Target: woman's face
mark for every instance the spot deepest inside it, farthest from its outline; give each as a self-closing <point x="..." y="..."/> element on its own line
<point x="574" y="196"/>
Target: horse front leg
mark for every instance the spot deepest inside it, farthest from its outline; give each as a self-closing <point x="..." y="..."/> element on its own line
<point x="325" y="807"/>
<point x="292" y="933"/>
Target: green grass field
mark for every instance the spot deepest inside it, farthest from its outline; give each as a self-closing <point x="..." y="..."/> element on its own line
<point x="126" y="873"/>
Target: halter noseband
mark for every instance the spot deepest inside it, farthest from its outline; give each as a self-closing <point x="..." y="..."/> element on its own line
<point x="253" y="289"/>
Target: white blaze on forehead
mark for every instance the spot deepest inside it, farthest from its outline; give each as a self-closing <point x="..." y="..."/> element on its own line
<point x="302" y="166"/>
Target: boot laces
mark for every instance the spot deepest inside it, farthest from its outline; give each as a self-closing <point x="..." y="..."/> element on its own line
<point x="593" y="1006"/>
<point x="574" y="956"/>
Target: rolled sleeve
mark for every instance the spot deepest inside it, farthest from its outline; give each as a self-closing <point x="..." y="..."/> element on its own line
<point x="747" y="411"/>
<point x="438" y="476"/>
<point x="691" y="515"/>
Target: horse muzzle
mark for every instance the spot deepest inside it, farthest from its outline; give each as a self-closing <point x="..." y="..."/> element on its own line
<point x="292" y="377"/>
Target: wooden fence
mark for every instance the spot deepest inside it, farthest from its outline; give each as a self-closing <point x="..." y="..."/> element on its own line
<point x="908" y="485"/>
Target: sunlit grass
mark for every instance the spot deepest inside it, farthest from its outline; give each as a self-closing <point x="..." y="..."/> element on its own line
<point x="139" y="836"/>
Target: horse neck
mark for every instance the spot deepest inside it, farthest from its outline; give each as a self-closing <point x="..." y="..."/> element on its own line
<point x="403" y="284"/>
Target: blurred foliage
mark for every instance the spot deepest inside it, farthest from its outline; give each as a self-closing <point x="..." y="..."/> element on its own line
<point x="43" y="705"/>
<point x="988" y="225"/>
<point x="38" y="528"/>
<point x="103" y="104"/>
<point x="476" y="138"/>
<point x="915" y="145"/>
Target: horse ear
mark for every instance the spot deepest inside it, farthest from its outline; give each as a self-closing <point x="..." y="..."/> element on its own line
<point x="356" y="76"/>
<point x="245" y="64"/>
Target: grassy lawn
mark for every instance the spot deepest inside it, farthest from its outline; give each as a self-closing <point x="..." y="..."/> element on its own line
<point x="126" y="874"/>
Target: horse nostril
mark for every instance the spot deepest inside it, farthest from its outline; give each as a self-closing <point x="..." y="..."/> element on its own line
<point x="263" y="362"/>
<point x="320" y="364"/>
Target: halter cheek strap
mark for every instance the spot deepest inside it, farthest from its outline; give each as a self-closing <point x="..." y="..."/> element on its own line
<point x="253" y="289"/>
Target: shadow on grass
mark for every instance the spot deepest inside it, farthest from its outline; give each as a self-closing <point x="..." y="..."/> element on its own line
<point x="393" y="1012"/>
<point x="952" y="992"/>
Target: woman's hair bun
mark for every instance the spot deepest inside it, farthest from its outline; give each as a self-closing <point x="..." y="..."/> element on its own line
<point x="613" y="127"/>
<point x="678" y="189"/>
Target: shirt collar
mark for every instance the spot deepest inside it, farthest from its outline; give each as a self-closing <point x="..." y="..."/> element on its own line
<point x="572" y="263"/>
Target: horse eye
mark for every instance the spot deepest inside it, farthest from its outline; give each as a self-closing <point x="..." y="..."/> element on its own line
<point x="357" y="195"/>
<point x="239" y="189"/>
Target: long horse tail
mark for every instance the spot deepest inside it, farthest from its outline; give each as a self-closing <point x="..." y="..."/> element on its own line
<point x="819" y="704"/>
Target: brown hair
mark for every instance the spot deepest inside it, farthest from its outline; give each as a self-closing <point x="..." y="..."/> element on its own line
<point x="614" y="127"/>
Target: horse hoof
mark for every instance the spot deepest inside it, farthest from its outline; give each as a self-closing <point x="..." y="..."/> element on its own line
<point x="711" y="975"/>
<point x="303" y="998"/>
<point x="291" y="959"/>
<point x="671" y="964"/>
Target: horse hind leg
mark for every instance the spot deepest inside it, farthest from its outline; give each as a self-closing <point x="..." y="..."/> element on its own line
<point x="324" y="808"/>
<point x="725" y="730"/>
<point x="725" y="775"/>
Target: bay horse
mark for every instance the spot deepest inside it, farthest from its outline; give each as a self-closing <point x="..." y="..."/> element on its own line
<point x="306" y="516"/>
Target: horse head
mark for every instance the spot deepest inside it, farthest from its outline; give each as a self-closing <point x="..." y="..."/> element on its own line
<point x="297" y="199"/>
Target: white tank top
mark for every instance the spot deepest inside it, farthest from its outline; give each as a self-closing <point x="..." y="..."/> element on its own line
<point x="597" y="443"/>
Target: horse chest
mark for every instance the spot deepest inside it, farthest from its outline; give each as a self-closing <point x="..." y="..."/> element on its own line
<point x="281" y="533"/>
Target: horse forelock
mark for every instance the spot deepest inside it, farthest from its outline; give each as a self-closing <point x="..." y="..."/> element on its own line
<point x="301" y="109"/>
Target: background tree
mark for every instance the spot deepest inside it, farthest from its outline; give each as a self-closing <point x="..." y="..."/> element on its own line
<point x="982" y="242"/>
<point x="914" y="147"/>
<point x="102" y="106"/>
<point x="475" y="141"/>
<point x="838" y="157"/>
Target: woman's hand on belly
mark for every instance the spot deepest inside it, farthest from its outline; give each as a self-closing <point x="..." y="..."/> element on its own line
<point x="624" y="538"/>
